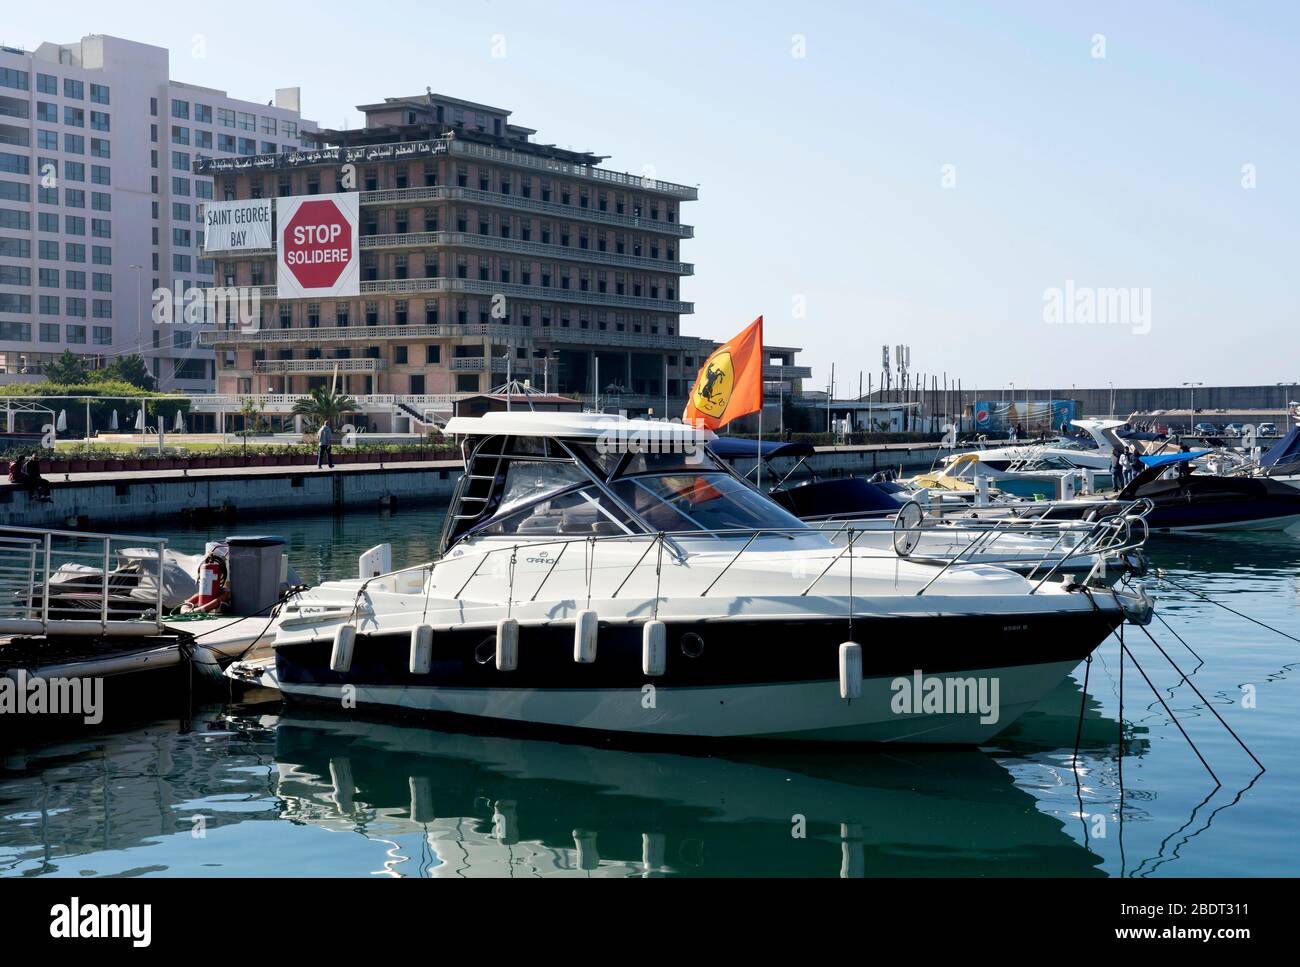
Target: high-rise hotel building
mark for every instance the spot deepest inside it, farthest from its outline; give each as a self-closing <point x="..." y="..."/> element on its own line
<point x="483" y="253"/>
<point x="100" y="205"/>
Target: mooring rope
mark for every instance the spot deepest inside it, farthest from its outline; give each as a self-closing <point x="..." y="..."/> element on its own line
<point x="1240" y="614"/>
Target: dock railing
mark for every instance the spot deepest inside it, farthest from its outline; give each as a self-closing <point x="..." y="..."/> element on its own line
<point x="79" y="584"/>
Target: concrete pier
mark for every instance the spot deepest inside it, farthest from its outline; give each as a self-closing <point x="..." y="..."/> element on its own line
<point x="106" y="500"/>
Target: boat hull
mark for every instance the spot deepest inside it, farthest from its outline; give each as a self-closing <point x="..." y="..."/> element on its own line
<point x="949" y="680"/>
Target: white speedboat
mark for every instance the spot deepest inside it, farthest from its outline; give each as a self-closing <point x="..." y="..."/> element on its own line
<point x="609" y="574"/>
<point x="1062" y="454"/>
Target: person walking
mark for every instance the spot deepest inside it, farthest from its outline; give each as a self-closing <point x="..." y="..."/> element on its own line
<point x="325" y="445"/>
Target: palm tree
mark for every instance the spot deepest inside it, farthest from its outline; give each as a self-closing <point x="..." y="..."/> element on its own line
<point x="324" y="406"/>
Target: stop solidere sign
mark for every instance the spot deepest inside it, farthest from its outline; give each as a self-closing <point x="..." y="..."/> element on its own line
<point x="317" y="244"/>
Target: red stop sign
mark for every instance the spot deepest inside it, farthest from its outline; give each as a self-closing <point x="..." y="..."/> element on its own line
<point x="317" y="244"/>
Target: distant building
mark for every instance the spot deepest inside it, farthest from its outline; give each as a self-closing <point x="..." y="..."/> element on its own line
<point x="482" y="252"/>
<point x="99" y="205"/>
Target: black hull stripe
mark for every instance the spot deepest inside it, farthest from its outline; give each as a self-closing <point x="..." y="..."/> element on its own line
<point x="739" y="653"/>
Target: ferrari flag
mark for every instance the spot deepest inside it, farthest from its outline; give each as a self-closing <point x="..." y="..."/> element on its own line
<point x="730" y="384"/>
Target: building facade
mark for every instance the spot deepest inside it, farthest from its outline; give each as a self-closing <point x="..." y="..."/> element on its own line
<point x="484" y="255"/>
<point x="100" y="205"/>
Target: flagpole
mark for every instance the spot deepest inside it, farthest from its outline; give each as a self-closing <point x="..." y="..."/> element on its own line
<point x="759" y="451"/>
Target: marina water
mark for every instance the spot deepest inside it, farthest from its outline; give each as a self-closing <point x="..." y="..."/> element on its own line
<point x="228" y="789"/>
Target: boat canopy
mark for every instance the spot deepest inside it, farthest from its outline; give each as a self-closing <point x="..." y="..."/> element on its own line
<point x="1286" y="450"/>
<point x="1167" y="459"/>
<point x="577" y="425"/>
<point x="731" y="448"/>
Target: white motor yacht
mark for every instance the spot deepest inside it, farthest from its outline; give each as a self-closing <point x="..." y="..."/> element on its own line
<point x="607" y="574"/>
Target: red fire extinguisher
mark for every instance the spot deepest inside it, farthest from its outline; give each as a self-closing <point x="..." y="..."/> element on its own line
<point x="213" y="592"/>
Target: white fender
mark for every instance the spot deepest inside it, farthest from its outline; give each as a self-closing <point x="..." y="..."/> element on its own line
<point x="421" y="649"/>
<point x="850" y="670"/>
<point x="507" y="644"/>
<point x="654" y="848"/>
<point x="585" y="841"/>
<point x="654" y="648"/>
<point x="345" y="639"/>
<point x="505" y="822"/>
<point x="421" y="800"/>
<point x="584" y="637"/>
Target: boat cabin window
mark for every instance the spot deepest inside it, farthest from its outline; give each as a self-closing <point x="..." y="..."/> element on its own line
<point x="585" y="512"/>
<point x="701" y="501"/>
<point x="527" y="480"/>
<point x="648" y="462"/>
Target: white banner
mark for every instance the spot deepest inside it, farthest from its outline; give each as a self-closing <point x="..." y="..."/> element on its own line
<point x="234" y="226"/>
<point x="319" y="246"/>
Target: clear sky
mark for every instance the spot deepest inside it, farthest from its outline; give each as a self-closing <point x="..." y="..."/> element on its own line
<point x="1104" y="145"/>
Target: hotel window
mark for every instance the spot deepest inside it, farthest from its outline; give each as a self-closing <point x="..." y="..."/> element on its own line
<point x="101" y="255"/>
<point x="402" y="177"/>
<point x="313" y="182"/>
<point x="399" y="355"/>
<point x="226" y="117"/>
<point x="583" y="199"/>
<point x="526" y="230"/>
<point x="484" y="269"/>
<point x="399" y="267"/>
<point x="75" y="89"/>
<point x="400" y="219"/>
<point x="180" y="161"/>
<point x="48" y="140"/>
<point x="431" y="316"/>
<point x="181" y="237"/>
<point x="103" y="334"/>
<point x="99" y="148"/>
<point x="226" y="143"/>
<point x="546" y="190"/>
<point x="564" y="278"/>
<point x="484" y="180"/>
<point x="484" y="228"/>
<point x="48" y="112"/>
<point x="602" y="201"/>
<point x="257" y="274"/>
<point x="433" y="354"/>
<point x="99" y="120"/>
<point x="584" y="281"/>
<point x="181" y="263"/>
<point x="101" y="174"/>
<point x="462" y="267"/>
<point x="526" y="275"/>
<point x="565" y="197"/>
<point x="74" y="144"/>
<point x="50" y="330"/>
<point x="430" y="265"/>
<point x="268" y="125"/>
<point x="247" y="121"/>
<point x="181" y="109"/>
<point x="462" y="176"/>
<point x="430" y="220"/>
<point x="47" y="84"/>
<point x="546" y="233"/>
<point x="372" y="313"/>
<point x="75" y="335"/>
<point x="45" y="222"/>
<point x="526" y="187"/>
<point x="16" y="79"/>
<point x="583" y="240"/>
<point x="313" y="315"/>
<point x="462" y="312"/>
<point x="370" y="179"/>
<point x="284" y="186"/>
<point x="247" y="146"/>
<point x="47" y="278"/>
<point x="400" y="313"/>
<point x="289" y="129"/>
<point x="602" y="282"/>
<point x="74" y="225"/>
<point x="286" y="316"/>
<point x="203" y="113"/>
<point x="430" y="174"/>
<point x="369" y="267"/>
<point x="505" y="226"/>
<point x="180" y="134"/>
<point x="340" y="314"/>
<point x="181" y="186"/>
<point x="102" y="282"/>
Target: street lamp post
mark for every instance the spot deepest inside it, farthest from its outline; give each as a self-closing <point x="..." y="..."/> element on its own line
<point x="1191" y="403"/>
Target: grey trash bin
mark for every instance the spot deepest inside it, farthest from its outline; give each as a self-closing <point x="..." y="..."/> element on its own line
<point x="254" y="564"/>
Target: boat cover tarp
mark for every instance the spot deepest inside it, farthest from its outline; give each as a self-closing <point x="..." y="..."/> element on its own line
<point x="1286" y="450"/>
<point x="1166" y="459"/>
<point x="731" y="448"/>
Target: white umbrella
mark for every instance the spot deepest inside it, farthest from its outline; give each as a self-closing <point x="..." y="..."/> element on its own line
<point x="112" y="424"/>
<point x="62" y="423"/>
<point x="179" y="425"/>
<point x="139" y="419"/>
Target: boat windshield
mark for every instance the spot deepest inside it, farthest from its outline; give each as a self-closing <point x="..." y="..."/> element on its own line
<point x="690" y="501"/>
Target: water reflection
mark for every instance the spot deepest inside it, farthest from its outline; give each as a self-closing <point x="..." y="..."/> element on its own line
<point x="417" y="802"/>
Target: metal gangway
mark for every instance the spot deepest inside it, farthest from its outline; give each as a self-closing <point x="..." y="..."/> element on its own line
<point x="59" y="583"/>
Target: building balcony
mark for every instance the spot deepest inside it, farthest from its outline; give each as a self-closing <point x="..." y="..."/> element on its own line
<point x="477" y="364"/>
<point x="525" y="293"/>
<point x="604" y="176"/>
<point x="516" y="246"/>
<point x="283" y="402"/>
<point x="787" y="372"/>
<point x="289" y="367"/>
<point x="554" y="336"/>
<point x="441" y="193"/>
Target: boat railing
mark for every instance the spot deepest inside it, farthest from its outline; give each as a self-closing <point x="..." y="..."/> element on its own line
<point x="1106" y="538"/>
<point x="68" y="583"/>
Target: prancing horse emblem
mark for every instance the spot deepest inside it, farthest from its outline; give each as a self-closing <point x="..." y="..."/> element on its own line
<point x="713" y="387"/>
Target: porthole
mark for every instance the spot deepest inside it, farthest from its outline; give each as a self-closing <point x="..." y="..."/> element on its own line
<point x="692" y="645"/>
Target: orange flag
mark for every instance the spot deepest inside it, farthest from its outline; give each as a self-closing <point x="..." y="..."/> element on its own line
<point x="730" y="384"/>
